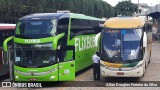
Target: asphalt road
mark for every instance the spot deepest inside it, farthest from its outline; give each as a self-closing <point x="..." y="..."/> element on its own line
<point x="152" y="73"/>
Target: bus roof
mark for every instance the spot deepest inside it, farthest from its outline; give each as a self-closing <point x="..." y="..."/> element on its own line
<point x="82" y="16"/>
<point x="4" y="26"/>
<point x="58" y="15"/>
<point x="124" y="22"/>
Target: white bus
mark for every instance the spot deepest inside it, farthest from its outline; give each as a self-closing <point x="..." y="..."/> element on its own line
<point x="126" y="44"/>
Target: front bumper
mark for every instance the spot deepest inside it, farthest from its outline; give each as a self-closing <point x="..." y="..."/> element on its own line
<point x="47" y="77"/>
<point x="138" y="72"/>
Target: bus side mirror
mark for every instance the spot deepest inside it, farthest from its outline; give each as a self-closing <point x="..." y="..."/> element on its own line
<point x="144" y="40"/>
<point x="6" y="49"/>
<point x="101" y="25"/>
<point x="5" y="57"/>
<point x="97" y="38"/>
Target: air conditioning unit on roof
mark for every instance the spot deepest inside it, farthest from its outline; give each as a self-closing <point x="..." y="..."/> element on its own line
<point x="64" y="11"/>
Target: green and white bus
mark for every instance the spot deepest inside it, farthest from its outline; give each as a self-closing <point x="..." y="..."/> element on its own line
<point x="51" y="46"/>
<point x="126" y="45"/>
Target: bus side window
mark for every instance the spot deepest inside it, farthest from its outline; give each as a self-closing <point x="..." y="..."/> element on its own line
<point x="83" y="27"/>
<point x="63" y="51"/>
<point x="63" y="28"/>
<point x="95" y="25"/>
<point x="4" y="35"/>
<point x="75" y="27"/>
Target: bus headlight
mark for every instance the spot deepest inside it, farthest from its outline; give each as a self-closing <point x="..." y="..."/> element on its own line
<point x="102" y="65"/>
<point x="52" y="77"/>
<point x="138" y="66"/>
<point x="16" y="77"/>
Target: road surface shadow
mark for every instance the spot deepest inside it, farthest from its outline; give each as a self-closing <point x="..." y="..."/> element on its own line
<point x="83" y="70"/>
<point x="120" y="79"/>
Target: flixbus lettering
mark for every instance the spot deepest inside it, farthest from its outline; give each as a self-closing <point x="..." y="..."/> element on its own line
<point x="84" y="43"/>
<point x="32" y="41"/>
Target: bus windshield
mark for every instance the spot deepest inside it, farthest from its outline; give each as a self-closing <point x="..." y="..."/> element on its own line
<point x="122" y="45"/>
<point x="33" y="56"/>
<point x="44" y="27"/>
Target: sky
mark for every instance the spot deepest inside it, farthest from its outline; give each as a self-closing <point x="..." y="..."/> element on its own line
<point x="149" y="2"/>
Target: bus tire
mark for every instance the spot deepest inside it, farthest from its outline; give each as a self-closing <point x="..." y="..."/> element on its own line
<point x="144" y="69"/>
<point x="149" y="58"/>
<point x="143" y="74"/>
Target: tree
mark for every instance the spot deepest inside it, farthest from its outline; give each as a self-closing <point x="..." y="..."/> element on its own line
<point x="125" y="8"/>
<point x="19" y="8"/>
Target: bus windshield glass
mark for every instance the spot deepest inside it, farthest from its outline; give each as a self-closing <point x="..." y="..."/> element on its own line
<point x="122" y="45"/>
<point x="44" y="27"/>
<point x="33" y="56"/>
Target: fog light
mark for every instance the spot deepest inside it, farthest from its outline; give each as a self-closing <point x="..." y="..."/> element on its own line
<point x="16" y="77"/>
<point x="52" y="77"/>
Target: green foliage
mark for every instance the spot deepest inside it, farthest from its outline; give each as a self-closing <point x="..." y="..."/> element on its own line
<point x="125" y="8"/>
<point x="97" y="8"/>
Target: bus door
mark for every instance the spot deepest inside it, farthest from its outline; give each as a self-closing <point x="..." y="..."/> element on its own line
<point x="66" y="63"/>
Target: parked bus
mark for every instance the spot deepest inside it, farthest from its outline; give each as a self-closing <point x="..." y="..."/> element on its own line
<point x="6" y="30"/>
<point x="126" y="44"/>
<point x="52" y="46"/>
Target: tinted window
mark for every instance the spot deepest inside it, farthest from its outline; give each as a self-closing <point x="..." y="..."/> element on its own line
<point x="84" y="27"/>
<point x="36" y="27"/>
<point x="5" y="34"/>
<point x="63" y="28"/>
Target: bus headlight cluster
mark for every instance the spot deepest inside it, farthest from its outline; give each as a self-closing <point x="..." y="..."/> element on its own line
<point x="51" y="71"/>
<point x="16" y="71"/>
<point x="138" y="66"/>
<point x="22" y="73"/>
<point x="44" y="73"/>
<point x="104" y="66"/>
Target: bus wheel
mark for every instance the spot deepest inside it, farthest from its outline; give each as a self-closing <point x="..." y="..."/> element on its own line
<point x="143" y="74"/>
<point x="149" y="60"/>
<point x="149" y="57"/>
<point x="144" y="68"/>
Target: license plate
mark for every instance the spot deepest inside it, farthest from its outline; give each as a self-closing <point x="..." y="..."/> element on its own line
<point x="120" y="73"/>
<point x="33" y="79"/>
